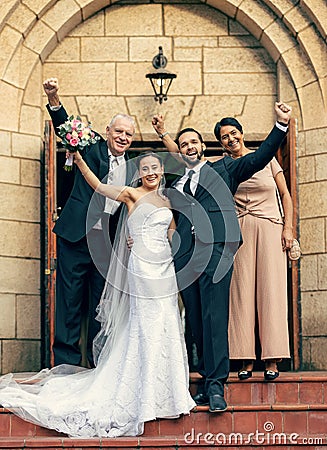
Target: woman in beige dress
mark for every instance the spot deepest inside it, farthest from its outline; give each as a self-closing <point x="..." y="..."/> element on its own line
<point x="259" y="281"/>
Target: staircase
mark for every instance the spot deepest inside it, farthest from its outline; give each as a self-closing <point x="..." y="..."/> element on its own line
<point x="289" y="413"/>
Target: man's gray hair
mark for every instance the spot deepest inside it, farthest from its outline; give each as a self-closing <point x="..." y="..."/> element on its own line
<point x="122" y="116"/>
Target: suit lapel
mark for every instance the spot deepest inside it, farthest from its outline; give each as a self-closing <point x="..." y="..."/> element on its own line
<point x="104" y="160"/>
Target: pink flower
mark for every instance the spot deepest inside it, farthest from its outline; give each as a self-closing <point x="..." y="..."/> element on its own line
<point x="68" y="136"/>
<point x="74" y="142"/>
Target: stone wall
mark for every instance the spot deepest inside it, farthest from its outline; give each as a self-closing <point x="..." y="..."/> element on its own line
<point x="231" y="57"/>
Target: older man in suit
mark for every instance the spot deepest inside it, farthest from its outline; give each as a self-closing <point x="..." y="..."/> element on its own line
<point x="206" y="238"/>
<point x="83" y="229"/>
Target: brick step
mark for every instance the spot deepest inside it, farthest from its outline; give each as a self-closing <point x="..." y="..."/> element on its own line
<point x="286" y="413"/>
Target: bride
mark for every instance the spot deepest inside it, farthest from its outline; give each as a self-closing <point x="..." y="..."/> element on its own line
<point x="141" y="371"/>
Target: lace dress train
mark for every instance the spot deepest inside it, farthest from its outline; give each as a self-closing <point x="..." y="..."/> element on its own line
<point x="145" y="375"/>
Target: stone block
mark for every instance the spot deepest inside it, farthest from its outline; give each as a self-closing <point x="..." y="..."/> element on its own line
<point x="63" y="17"/>
<point x="286" y="89"/>
<point x="318" y="348"/>
<point x="306" y="353"/>
<point x="22" y="19"/>
<point x="280" y="7"/>
<point x="39" y="7"/>
<point x="139" y="20"/>
<point x="194" y="20"/>
<point x="21" y="356"/>
<point x="316" y="10"/>
<point x="99" y="110"/>
<point x="19" y="239"/>
<point x="26" y="146"/>
<point x="235" y="28"/>
<point x="6" y="9"/>
<point x="33" y="92"/>
<point x="30" y="173"/>
<point x="306" y="169"/>
<point x="10" y="170"/>
<point x="313" y="199"/>
<point x="254" y="16"/>
<point x="277" y="40"/>
<point x="30" y="121"/>
<point x="312" y="106"/>
<point x="314" y="313"/>
<point x="21" y="67"/>
<point x="194" y="42"/>
<point x="96" y="78"/>
<point x="322" y="271"/>
<point x="146" y="48"/>
<point x="9" y="116"/>
<point x="7" y="316"/>
<point x="254" y="129"/>
<point x="300" y="147"/>
<point x="239" y="41"/>
<point x="207" y="110"/>
<point x="321" y="167"/>
<point x="315" y="141"/>
<point x="144" y="108"/>
<point x="104" y="49"/>
<point x="188" y="54"/>
<point x="66" y="51"/>
<point x="298" y="66"/>
<point x="309" y="272"/>
<point x="315" y="46"/>
<point x="239" y="84"/>
<point x="9" y="39"/>
<point x="229" y="8"/>
<point x="295" y="20"/>
<point x="28" y="317"/>
<point x="5" y="143"/>
<point x="90" y="7"/>
<point x="91" y="27"/>
<point x="313" y="238"/>
<point x="41" y="39"/>
<point x="20" y="203"/>
<point x="222" y="60"/>
<point x="20" y="276"/>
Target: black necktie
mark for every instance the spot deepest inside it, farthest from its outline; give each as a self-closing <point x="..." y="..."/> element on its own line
<point x="187" y="185"/>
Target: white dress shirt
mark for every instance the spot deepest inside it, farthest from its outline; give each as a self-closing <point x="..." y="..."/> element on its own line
<point x="194" y="180"/>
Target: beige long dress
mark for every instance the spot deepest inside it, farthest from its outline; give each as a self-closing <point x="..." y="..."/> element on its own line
<point x="259" y="281"/>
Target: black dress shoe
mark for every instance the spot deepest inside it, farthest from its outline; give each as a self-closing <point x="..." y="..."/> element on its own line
<point x="270" y="375"/>
<point x="244" y="374"/>
<point x="201" y="399"/>
<point x="217" y="403"/>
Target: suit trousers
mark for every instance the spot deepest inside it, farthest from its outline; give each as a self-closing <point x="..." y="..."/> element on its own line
<point x="78" y="280"/>
<point x="206" y="304"/>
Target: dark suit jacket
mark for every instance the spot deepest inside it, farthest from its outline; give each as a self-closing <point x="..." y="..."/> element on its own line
<point x="212" y="211"/>
<point x="76" y="218"/>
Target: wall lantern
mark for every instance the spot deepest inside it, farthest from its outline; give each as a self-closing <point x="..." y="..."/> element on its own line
<point x="161" y="78"/>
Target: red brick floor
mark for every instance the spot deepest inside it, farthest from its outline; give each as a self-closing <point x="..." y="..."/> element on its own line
<point x="289" y="413"/>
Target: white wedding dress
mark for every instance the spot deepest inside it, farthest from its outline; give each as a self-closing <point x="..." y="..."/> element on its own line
<point x="145" y="375"/>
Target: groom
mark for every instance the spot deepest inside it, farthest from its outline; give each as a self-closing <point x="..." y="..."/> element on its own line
<point x="83" y="232"/>
<point x="205" y="242"/>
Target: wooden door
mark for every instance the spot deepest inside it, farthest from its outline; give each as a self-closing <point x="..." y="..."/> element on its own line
<point x="287" y="159"/>
<point x="49" y="239"/>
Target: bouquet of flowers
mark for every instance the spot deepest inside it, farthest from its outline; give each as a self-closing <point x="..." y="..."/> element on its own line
<point x="75" y="135"/>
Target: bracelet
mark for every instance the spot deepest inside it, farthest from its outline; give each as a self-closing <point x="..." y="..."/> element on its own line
<point x="163" y="134"/>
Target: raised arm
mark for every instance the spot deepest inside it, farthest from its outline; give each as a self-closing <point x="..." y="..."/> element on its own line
<point x="118" y="193"/>
<point x="243" y="168"/>
<point x="56" y="110"/>
<point x="159" y="126"/>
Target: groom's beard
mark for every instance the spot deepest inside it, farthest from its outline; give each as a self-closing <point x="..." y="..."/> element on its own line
<point x="196" y="161"/>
